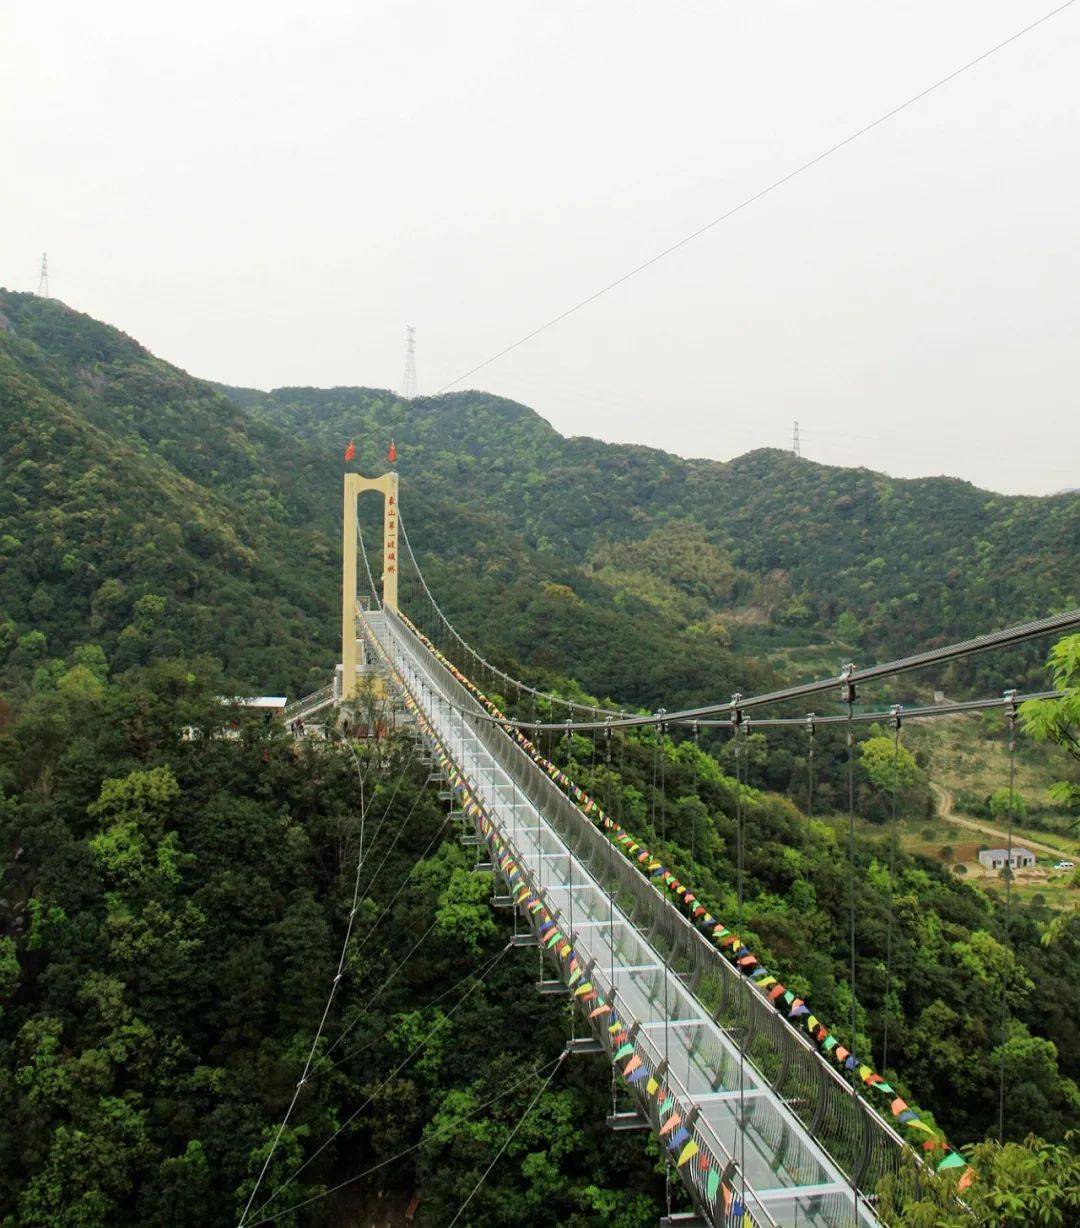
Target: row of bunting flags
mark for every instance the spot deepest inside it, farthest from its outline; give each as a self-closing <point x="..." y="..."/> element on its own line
<point x="671" y="1115"/>
<point x="934" y="1145"/>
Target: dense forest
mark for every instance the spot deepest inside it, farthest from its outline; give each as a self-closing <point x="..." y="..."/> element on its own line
<point x="176" y="889"/>
<point x="788" y="540"/>
<point x="173" y="907"/>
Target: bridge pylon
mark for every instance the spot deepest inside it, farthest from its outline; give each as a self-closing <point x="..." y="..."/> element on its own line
<point x="355" y="485"/>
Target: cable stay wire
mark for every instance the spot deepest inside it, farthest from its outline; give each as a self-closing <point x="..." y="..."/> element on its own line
<point x="322" y="1022"/>
<point x="375" y="925"/>
<point x="515" y="682"/>
<point x="363" y="1010"/>
<point x="367" y="565"/>
<point x="362" y="855"/>
<point x="536" y="1072"/>
<point x="509" y="1138"/>
<point x="402" y="773"/>
<point x="397" y="835"/>
<point x="477" y="979"/>
<point x="746" y="202"/>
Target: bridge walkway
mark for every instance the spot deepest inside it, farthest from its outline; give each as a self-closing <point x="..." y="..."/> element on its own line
<point x="741" y="1124"/>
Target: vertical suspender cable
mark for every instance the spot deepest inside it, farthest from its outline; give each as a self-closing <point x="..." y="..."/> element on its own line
<point x="513" y="820"/>
<point x="849" y="697"/>
<point x="896" y="721"/>
<point x="1011" y="695"/>
<point x="663" y="787"/>
<point x="611" y="849"/>
<point x="693" y="809"/>
<point x="652" y="817"/>
<point x="743" y="1015"/>
<point x="811" y="731"/>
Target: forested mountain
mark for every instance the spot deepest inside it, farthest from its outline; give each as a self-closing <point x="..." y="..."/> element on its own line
<point x="144" y="507"/>
<point x="145" y="512"/>
<point x="790" y="541"/>
<point x="171" y="906"/>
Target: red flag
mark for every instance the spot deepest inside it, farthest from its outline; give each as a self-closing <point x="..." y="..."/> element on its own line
<point x="393" y="452"/>
<point x="350" y="451"/>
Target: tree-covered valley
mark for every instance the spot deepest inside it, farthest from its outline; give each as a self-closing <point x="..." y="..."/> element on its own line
<point x="176" y="891"/>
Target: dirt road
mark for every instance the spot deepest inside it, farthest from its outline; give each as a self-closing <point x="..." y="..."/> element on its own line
<point x="945" y="811"/>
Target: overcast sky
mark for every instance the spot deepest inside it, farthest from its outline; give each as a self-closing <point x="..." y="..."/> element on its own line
<point x="267" y="193"/>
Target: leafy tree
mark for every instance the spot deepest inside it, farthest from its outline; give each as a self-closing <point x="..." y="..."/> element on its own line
<point x="1058" y="720"/>
<point x="1004" y="805"/>
<point x="1016" y="1185"/>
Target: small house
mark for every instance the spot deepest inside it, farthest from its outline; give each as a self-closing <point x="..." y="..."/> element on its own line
<point x="995" y="859"/>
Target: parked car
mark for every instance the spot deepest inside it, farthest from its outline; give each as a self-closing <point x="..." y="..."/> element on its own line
<point x="1063" y="865"/>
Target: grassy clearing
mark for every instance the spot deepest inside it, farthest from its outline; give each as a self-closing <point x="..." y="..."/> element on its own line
<point x="955" y="846"/>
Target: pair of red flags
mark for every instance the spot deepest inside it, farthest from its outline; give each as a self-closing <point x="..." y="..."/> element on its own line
<point x="350" y="451"/>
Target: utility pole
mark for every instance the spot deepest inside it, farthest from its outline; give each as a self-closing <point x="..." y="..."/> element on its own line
<point x="795" y="451"/>
<point x="409" y="386"/>
<point x="43" y="280"/>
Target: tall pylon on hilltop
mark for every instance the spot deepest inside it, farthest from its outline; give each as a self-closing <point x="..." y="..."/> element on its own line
<point x="795" y="449"/>
<point x="409" y="386"/>
<point x="43" y="279"/>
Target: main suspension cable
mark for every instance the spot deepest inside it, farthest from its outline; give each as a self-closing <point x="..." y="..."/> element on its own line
<point x="1007" y="637"/>
<point x="480" y="660"/>
<point x="367" y="565"/>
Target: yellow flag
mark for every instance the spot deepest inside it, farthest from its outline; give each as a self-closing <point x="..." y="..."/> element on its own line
<point x="687" y="1153"/>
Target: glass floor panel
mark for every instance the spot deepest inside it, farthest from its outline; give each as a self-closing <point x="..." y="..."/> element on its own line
<point x="779" y="1155"/>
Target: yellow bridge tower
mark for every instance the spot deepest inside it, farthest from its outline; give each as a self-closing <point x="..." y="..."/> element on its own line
<point x="355" y="484"/>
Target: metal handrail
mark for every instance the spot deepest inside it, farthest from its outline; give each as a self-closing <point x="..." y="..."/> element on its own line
<point x="317" y="699"/>
<point x="710" y="1144"/>
<point x="858" y="1140"/>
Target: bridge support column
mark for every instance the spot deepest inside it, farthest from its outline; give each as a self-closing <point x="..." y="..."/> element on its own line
<point x="355" y="484"/>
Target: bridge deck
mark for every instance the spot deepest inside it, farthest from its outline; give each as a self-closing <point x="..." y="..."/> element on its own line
<point x="789" y="1178"/>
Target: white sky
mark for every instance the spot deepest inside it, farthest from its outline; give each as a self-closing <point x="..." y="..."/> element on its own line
<point x="266" y="193"/>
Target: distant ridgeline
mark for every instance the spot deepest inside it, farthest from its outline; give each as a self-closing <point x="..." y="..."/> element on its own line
<point x="766" y="537"/>
<point x="127" y="479"/>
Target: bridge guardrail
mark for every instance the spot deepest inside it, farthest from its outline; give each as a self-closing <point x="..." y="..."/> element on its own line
<point x="317" y="699"/>
<point x="722" y="1212"/>
<point x="859" y="1141"/>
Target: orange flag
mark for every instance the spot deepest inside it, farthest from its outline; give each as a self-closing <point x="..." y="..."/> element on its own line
<point x="350" y="451"/>
<point x="392" y="454"/>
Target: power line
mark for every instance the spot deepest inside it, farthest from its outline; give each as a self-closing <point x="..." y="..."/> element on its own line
<point x="749" y="200"/>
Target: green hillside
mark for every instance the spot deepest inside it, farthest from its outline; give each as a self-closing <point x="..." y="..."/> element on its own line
<point x="148" y="513"/>
<point x="170" y="908"/>
<point x="793" y="545"/>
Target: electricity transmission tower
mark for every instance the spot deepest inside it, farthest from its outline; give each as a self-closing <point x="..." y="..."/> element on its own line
<point x="43" y="280"/>
<point x="795" y="450"/>
<point x="409" y="387"/>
